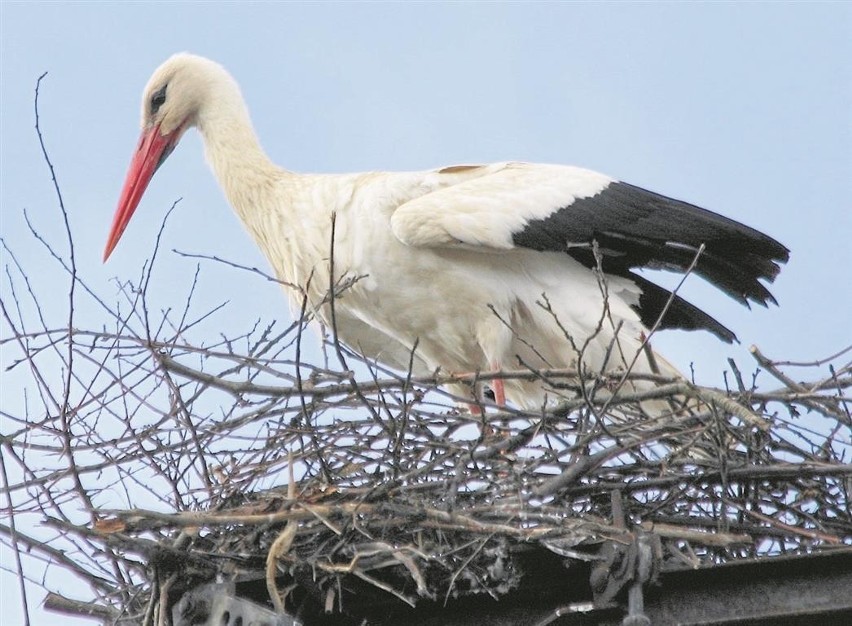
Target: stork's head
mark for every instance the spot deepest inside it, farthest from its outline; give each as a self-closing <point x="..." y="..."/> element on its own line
<point x="174" y="99"/>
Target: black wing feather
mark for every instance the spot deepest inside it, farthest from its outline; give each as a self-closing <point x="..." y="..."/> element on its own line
<point x="636" y="228"/>
<point x="679" y="314"/>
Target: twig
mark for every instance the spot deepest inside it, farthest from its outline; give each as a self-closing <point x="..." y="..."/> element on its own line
<point x="13" y="534"/>
<point x="77" y="608"/>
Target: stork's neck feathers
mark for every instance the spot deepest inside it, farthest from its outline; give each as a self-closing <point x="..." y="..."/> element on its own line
<point x="243" y="169"/>
<point x="261" y="193"/>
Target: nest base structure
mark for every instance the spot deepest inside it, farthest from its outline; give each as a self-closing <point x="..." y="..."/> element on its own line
<point x="800" y="590"/>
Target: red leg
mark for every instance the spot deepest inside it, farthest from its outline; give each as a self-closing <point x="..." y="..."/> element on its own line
<point x="498" y="388"/>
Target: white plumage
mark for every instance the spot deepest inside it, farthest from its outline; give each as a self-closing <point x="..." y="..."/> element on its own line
<point x="473" y="268"/>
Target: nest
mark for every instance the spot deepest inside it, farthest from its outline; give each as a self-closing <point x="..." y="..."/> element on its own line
<point x="353" y="488"/>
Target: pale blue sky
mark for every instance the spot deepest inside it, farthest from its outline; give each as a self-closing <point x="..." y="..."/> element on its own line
<point x="745" y="109"/>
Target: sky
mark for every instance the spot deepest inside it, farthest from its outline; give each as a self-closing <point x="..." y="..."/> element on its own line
<point x="742" y="108"/>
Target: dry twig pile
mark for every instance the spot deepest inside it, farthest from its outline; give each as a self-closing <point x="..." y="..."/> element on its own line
<point x="165" y="464"/>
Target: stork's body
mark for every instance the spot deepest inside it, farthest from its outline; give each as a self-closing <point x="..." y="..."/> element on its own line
<point x="464" y="268"/>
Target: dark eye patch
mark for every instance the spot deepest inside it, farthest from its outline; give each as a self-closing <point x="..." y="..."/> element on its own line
<point x="158" y="99"/>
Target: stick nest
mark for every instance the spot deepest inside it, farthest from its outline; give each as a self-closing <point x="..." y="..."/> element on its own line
<point x="242" y="465"/>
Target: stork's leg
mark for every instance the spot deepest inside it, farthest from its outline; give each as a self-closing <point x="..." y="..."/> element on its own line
<point x="498" y="387"/>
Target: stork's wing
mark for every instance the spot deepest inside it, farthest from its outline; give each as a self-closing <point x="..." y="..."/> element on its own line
<point x="560" y="208"/>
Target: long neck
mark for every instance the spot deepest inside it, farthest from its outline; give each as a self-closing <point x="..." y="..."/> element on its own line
<point x="246" y="174"/>
<point x="261" y="193"/>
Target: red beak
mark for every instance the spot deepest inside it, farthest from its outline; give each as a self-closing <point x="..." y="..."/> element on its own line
<point x="153" y="149"/>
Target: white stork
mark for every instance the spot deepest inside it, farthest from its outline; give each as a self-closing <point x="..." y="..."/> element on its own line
<point x="464" y="268"/>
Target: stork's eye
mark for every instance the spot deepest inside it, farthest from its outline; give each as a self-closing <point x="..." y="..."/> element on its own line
<point x="158" y="99"/>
